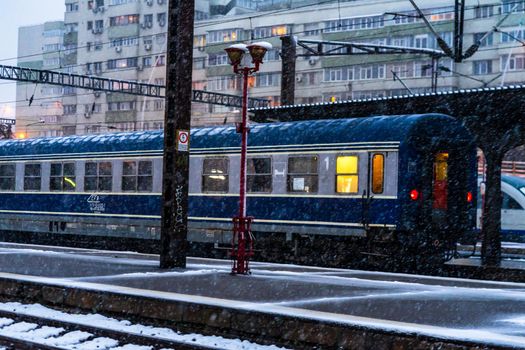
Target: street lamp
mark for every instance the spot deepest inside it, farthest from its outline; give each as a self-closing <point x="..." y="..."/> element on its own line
<point x="242" y="224"/>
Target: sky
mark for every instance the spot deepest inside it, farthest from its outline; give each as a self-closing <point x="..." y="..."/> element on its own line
<point x="15" y="14"/>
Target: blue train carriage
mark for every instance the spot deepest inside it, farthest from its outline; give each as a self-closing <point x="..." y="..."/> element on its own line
<point x="407" y="180"/>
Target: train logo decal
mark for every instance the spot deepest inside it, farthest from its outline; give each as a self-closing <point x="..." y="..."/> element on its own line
<point x="96" y="205"/>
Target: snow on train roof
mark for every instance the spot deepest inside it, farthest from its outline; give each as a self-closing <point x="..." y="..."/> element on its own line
<point x="372" y="129"/>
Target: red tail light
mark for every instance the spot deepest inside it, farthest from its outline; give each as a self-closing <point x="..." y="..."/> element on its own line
<point x="414" y="195"/>
<point x="469" y="197"/>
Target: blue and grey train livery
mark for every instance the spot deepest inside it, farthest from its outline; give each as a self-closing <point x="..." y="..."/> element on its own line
<point x="411" y="178"/>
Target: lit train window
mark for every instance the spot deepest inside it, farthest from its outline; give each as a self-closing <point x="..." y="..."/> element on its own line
<point x="302" y="174"/>
<point x="99" y="177"/>
<point x="259" y="175"/>
<point x="137" y="176"/>
<point x="32" y="177"/>
<point x="62" y="177"/>
<point x="347" y="174"/>
<point x="215" y="175"/>
<point x="378" y="173"/>
<point x="7" y="177"/>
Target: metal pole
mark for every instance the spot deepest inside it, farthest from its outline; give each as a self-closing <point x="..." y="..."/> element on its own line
<point x="288" y="57"/>
<point x="459" y="17"/>
<point x="244" y="143"/>
<point x="241" y="224"/>
<point x="174" y="221"/>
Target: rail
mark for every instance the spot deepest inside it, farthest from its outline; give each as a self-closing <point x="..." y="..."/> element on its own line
<point x="29" y="325"/>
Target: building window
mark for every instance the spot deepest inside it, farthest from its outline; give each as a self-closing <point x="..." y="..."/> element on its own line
<point x="259" y="175"/>
<point x="371" y="72"/>
<point x="161" y="18"/>
<point x="199" y="63"/>
<point x="347" y="178"/>
<point x="70" y="109"/>
<point x="122" y="63"/>
<point x="124" y="20"/>
<point x="482" y="67"/>
<point x="160" y="60"/>
<point x="484" y="11"/>
<point x="223" y="36"/>
<point x="267" y="79"/>
<point x="378" y="173"/>
<point x="302" y="174"/>
<point x="488" y="41"/>
<point x="508" y="5"/>
<point x="32" y="177"/>
<point x="121" y="106"/>
<point x="218" y="60"/>
<point x="311" y="29"/>
<point x="62" y="177"/>
<point x="98" y="177"/>
<point x="512" y="36"/>
<point x="7" y="177"/>
<point x="268" y="32"/>
<point x="120" y="2"/>
<point x="148" y="21"/>
<point x="199" y="42"/>
<point x="334" y="74"/>
<point x="146" y="61"/>
<point x="222" y="83"/>
<point x="215" y="175"/>
<point x="127" y="41"/>
<point x="422" y="69"/>
<point x="347" y="24"/>
<point x="421" y="41"/>
<point x="158" y="105"/>
<point x="137" y="176"/>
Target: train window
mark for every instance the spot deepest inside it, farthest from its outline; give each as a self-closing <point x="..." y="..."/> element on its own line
<point x="378" y="173"/>
<point x="32" y="177"/>
<point x="62" y="177"/>
<point x="7" y="177"/>
<point x="302" y="174"/>
<point x="215" y="175"/>
<point x="347" y="174"/>
<point x="98" y="177"/>
<point x="137" y="176"/>
<point x="259" y="175"/>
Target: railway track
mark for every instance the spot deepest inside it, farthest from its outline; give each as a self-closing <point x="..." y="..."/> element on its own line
<point x="22" y="331"/>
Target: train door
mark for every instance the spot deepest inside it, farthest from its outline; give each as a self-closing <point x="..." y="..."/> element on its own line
<point x="440" y="188"/>
<point x="375" y="182"/>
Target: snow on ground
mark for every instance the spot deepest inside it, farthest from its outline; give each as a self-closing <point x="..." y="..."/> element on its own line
<point x="113" y="324"/>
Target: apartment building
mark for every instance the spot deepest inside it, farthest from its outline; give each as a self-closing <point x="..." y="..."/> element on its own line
<point x="39" y="48"/>
<point x="126" y="39"/>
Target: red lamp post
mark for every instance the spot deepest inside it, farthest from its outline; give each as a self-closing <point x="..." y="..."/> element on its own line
<point x="242" y="242"/>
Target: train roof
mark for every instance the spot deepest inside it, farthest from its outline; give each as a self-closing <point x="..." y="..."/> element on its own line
<point x="372" y="129"/>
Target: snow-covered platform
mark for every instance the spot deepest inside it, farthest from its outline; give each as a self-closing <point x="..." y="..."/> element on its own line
<point x="292" y="304"/>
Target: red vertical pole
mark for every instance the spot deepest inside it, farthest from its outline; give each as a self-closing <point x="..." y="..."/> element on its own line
<point x="244" y="143"/>
<point x="240" y="225"/>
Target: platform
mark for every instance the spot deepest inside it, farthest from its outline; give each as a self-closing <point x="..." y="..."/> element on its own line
<point x="300" y="305"/>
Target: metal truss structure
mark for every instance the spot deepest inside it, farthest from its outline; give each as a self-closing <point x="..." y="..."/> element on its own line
<point x="226" y="99"/>
<point x="95" y="83"/>
<point x="333" y="48"/>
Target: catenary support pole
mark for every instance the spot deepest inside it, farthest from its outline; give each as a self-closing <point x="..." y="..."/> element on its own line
<point x="174" y="222"/>
<point x="288" y="70"/>
<point x="491" y="225"/>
